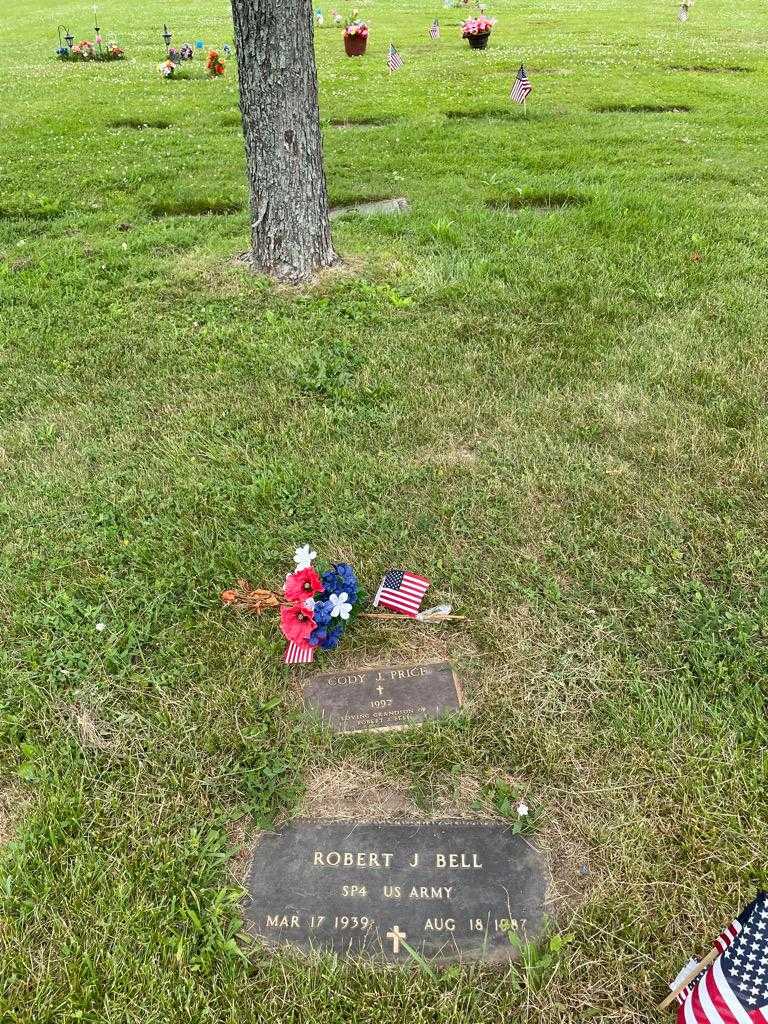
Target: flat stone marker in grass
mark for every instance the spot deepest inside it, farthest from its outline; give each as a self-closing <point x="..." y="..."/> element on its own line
<point x="374" y="699"/>
<point x="449" y="890"/>
<point x="396" y="206"/>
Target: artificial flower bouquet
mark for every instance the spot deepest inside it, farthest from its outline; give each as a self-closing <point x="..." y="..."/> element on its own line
<point x="88" y="51"/>
<point x="178" y="56"/>
<point x="479" y="26"/>
<point x="356" y="28"/>
<point x="355" y="36"/>
<point x="184" y="52"/>
<point x="214" y="65"/>
<point x="315" y="608"/>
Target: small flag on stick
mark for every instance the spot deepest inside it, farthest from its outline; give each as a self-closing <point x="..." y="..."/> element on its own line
<point x="296" y="655"/>
<point x="401" y="592"/>
<point x="521" y="88"/>
<point x="729" y="985"/>
<point x="394" y="60"/>
<point x="434" y="30"/>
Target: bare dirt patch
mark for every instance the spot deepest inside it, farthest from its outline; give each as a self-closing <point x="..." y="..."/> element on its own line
<point x="12" y="805"/>
<point x="86" y="727"/>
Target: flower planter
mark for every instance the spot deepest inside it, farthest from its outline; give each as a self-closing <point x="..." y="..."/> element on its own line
<point x="355" y="45"/>
<point x="479" y="41"/>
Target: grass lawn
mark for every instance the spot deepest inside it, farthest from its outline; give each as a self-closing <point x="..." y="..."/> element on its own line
<point x="544" y="389"/>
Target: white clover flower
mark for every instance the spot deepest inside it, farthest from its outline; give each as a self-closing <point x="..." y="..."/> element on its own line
<point x="304" y="557"/>
<point x="522" y="810"/>
<point x="341" y="607"/>
<point x="100" y="627"/>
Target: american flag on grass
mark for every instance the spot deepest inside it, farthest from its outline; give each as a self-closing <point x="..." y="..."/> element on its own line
<point x="394" y="60"/>
<point x="295" y="655"/>
<point x="721" y="943"/>
<point x="401" y="591"/>
<point x="434" y="29"/>
<point x="734" y="989"/>
<point x="522" y="87"/>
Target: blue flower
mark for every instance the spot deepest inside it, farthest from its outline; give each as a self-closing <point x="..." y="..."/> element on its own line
<point x="318" y="635"/>
<point x="341" y="579"/>
<point x="322" y="612"/>
<point x="331" y="640"/>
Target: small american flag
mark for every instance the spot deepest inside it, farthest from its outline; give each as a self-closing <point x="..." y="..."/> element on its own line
<point x="401" y="592"/>
<point x="295" y="655"/>
<point x="721" y="943"/>
<point x="735" y="988"/>
<point x="394" y="60"/>
<point x="521" y="88"/>
<point x="434" y="30"/>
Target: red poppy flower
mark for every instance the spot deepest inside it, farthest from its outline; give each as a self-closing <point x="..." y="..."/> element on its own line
<point x="297" y="623"/>
<point x="302" y="584"/>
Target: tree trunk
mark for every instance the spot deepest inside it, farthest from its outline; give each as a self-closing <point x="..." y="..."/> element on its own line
<point x="290" y="229"/>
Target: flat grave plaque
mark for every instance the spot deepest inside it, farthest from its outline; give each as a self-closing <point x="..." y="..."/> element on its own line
<point x="367" y="700"/>
<point x="451" y="891"/>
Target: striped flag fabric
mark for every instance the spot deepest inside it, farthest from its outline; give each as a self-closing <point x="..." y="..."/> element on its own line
<point x="726" y="937"/>
<point x="683" y="994"/>
<point x="296" y="655"/>
<point x="401" y="591"/>
<point x="522" y="87"/>
<point x="434" y="29"/>
<point x="721" y="943"/>
<point x="734" y="990"/>
<point x="394" y="60"/>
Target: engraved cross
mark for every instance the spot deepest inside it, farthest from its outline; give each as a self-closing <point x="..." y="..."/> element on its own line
<point x="380" y="689"/>
<point x="396" y="935"/>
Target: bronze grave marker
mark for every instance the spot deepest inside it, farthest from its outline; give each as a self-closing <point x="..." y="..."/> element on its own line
<point x="449" y="890"/>
<point x="363" y="700"/>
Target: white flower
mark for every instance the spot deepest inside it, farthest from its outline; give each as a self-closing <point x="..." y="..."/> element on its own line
<point x="522" y="810"/>
<point x="100" y="627"/>
<point x="304" y="558"/>
<point x="310" y="604"/>
<point x="341" y="606"/>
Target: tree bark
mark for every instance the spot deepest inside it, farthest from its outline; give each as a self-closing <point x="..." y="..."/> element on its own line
<point x="290" y="228"/>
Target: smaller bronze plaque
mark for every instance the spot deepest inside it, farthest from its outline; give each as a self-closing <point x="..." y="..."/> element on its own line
<point x="371" y="699"/>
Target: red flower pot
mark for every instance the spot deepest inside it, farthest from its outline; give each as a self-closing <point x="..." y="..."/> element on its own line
<point x="479" y="41"/>
<point x="355" y="45"/>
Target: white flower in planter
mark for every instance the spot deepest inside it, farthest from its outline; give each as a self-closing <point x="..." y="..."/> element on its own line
<point x="341" y="607"/>
<point x="304" y="557"/>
